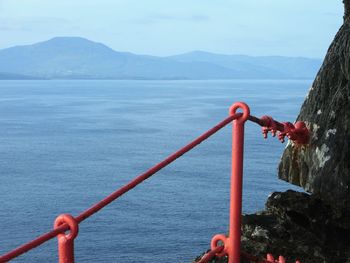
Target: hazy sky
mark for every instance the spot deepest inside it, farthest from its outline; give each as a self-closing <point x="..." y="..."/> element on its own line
<point x="161" y="27"/>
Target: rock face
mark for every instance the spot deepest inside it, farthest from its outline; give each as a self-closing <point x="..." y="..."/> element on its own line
<point x="314" y="228"/>
<point x="323" y="167"/>
<point x="298" y="226"/>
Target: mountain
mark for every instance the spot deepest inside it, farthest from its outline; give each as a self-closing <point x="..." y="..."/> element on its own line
<point x="12" y="76"/>
<point x="265" y="67"/>
<point x="79" y="58"/>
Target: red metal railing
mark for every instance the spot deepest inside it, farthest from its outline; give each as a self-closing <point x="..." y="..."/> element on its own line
<point x="231" y="244"/>
<point x="269" y="258"/>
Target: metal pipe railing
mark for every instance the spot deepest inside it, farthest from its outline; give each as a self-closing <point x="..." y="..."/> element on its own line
<point x="299" y="133"/>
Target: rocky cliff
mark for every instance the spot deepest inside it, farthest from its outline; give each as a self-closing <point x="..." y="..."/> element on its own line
<point x="298" y="226"/>
<point x="313" y="227"/>
<point x="323" y="167"/>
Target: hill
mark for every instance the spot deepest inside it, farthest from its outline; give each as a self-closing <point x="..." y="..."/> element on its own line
<point x="264" y="66"/>
<point x="79" y="58"/>
<point x="12" y="76"/>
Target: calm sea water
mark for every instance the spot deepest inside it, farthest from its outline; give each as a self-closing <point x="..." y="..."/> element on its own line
<point x="66" y="144"/>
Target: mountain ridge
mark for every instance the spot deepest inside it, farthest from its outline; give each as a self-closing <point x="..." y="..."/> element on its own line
<point x="76" y="57"/>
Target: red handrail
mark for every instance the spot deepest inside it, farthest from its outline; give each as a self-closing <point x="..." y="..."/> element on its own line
<point x="211" y="254"/>
<point x="299" y="133"/>
<point x="98" y="206"/>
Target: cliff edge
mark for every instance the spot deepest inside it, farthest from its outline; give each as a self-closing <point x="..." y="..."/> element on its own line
<point x="323" y="167"/>
<point x="313" y="227"/>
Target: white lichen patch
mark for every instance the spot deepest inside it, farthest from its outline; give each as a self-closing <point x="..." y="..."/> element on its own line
<point x="332" y="114"/>
<point x="319" y="112"/>
<point x="289" y="143"/>
<point x="321" y="154"/>
<point x="315" y="128"/>
<point x="329" y="132"/>
<point x="310" y="89"/>
<point x="277" y="196"/>
<point x="260" y="232"/>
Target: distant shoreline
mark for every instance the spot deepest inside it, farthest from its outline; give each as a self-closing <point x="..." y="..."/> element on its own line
<point x="81" y="59"/>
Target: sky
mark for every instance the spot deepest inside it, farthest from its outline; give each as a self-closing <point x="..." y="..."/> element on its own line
<point x="161" y="27"/>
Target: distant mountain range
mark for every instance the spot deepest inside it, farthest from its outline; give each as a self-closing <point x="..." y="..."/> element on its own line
<point x="79" y="58"/>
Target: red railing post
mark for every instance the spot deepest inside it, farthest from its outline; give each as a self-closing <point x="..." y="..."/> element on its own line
<point x="234" y="249"/>
<point x="232" y="243"/>
<point x="270" y="258"/>
<point x="66" y="241"/>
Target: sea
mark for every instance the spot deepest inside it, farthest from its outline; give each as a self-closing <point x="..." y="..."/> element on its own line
<point x="66" y="144"/>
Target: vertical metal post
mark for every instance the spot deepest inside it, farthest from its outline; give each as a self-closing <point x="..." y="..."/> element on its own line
<point x="270" y="258"/>
<point x="66" y="241"/>
<point x="234" y="248"/>
<point x="232" y="243"/>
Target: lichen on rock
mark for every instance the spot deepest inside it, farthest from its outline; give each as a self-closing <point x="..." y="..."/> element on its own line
<point x="315" y="227"/>
<point x="324" y="166"/>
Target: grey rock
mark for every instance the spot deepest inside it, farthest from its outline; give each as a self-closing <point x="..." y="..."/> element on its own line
<point x="313" y="228"/>
<point x="297" y="226"/>
<point x="323" y="167"/>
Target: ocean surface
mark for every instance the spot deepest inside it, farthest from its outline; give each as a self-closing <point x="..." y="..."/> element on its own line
<point x="64" y="145"/>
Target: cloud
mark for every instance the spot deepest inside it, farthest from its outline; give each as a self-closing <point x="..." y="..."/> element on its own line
<point x="29" y="23"/>
<point x="161" y="17"/>
<point x="11" y="24"/>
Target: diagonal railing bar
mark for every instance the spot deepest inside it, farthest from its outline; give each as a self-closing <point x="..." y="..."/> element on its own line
<point x="64" y="222"/>
<point x="211" y="254"/>
<point x="98" y="206"/>
<point x="155" y="168"/>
